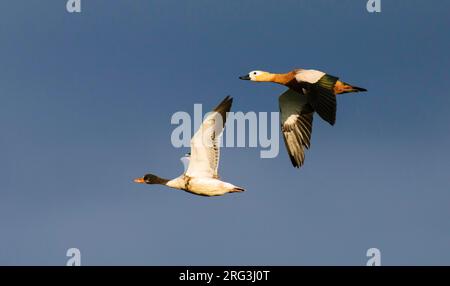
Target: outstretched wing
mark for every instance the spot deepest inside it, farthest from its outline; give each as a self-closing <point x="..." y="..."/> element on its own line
<point x="205" y="145"/>
<point x="320" y="92"/>
<point x="185" y="160"/>
<point x="296" y="117"/>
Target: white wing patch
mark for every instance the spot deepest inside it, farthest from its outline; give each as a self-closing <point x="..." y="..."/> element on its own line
<point x="292" y="119"/>
<point x="310" y="76"/>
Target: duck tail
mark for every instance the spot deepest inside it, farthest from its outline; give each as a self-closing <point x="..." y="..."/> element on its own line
<point x="357" y="89"/>
<point x="343" y="87"/>
<point x="237" y="190"/>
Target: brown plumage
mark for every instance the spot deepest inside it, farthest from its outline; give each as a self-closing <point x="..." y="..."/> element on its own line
<point x="308" y="91"/>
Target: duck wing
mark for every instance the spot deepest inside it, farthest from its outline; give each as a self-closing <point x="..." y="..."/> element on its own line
<point x="296" y="117"/>
<point x="205" y="144"/>
<point x="320" y="92"/>
<point x="185" y="160"/>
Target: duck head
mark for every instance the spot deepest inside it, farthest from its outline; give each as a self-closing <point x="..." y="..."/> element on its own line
<point x="148" y="179"/>
<point x="257" y="76"/>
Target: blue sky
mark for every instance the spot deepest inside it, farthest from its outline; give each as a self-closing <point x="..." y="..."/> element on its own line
<point x="85" y="107"/>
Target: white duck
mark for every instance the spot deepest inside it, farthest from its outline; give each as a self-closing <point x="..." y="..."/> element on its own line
<point x="201" y="175"/>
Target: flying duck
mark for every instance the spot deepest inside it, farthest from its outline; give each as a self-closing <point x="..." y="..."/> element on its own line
<point x="200" y="176"/>
<point x="308" y="91"/>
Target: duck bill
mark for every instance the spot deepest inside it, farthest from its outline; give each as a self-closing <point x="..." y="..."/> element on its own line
<point x="139" y="180"/>
<point x="244" y="77"/>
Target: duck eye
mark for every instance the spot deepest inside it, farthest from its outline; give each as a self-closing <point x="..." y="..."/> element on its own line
<point x="254" y="72"/>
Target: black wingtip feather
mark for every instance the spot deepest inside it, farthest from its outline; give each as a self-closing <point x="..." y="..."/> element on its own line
<point x="359" y="88"/>
<point x="224" y="107"/>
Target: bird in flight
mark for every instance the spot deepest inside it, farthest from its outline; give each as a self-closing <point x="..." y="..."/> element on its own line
<point x="202" y="163"/>
<point x="308" y="91"/>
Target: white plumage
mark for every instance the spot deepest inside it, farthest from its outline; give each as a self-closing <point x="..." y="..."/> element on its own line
<point x="200" y="175"/>
<point x="309" y="76"/>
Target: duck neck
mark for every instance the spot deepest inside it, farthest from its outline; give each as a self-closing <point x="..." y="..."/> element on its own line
<point x="282" y="78"/>
<point x="160" y="181"/>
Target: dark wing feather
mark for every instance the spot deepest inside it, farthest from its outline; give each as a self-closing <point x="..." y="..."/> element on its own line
<point x="296" y="116"/>
<point x="322" y="98"/>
